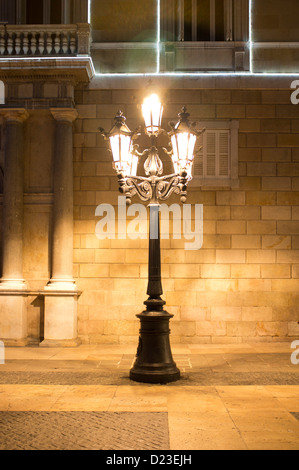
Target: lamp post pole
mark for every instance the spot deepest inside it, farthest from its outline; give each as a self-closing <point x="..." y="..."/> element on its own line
<point x="154" y="362"/>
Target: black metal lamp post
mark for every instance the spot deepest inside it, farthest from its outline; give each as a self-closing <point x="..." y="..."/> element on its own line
<point x="154" y="362"/>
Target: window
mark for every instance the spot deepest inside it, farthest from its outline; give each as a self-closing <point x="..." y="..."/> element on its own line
<point x="198" y="20"/>
<point x="56" y="12"/>
<point x="8" y="11"/>
<point x="216" y="155"/>
<point x="204" y="20"/>
<point x="36" y="11"/>
<point x="43" y="11"/>
<point x="201" y="35"/>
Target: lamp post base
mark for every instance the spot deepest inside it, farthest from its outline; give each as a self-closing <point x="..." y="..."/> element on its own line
<point x="154" y="362"/>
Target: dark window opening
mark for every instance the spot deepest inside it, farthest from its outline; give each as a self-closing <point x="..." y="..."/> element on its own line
<point x="8" y="11"/>
<point x="203" y="20"/>
<point x="34" y="12"/>
<point x="55" y="16"/>
<point x="219" y="21"/>
<point x="188" y="20"/>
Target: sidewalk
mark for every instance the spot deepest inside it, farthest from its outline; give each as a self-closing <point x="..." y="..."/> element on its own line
<point x="243" y="396"/>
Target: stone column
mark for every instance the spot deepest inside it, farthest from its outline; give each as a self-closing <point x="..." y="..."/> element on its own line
<point x="63" y="219"/>
<point x="61" y="292"/>
<point x="12" y="268"/>
<point x="13" y="318"/>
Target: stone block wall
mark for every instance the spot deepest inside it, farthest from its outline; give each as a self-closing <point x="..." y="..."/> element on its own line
<point x="272" y="23"/>
<point x="243" y="285"/>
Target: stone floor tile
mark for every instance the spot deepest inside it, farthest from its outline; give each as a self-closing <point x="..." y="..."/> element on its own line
<point x="270" y="440"/>
<point x="203" y="431"/>
<point x="139" y="398"/>
<point x="254" y="398"/>
<point x="195" y="399"/>
<point x="272" y="347"/>
<point x="71" y="354"/>
<point x="31" y="353"/>
<point x="265" y="421"/>
<point x="290" y="404"/>
<point x="84" y="398"/>
<point x="283" y="391"/>
<point x="29" y="397"/>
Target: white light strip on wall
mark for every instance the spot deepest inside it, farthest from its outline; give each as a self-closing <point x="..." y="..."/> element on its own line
<point x="250" y="37"/>
<point x="50" y="57"/>
<point x="158" y="34"/>
<point x="154" y="74"/>
<point x="89" y="12"/>
<point x="198" y="74"/>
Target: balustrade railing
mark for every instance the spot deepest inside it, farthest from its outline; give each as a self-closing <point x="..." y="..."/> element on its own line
<point x="44" y="40"/>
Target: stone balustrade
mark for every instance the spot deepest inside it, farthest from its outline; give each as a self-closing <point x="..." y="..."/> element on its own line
<point x="44" y="40"/>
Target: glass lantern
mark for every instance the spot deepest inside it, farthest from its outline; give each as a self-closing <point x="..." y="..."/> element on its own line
<point x="152" y="111"/>
<point x="120" y="138"/>
<point x="183" y="140"/>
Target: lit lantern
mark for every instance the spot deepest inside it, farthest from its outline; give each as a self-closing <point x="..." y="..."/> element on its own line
<point x="183" y="140"/>
<point x="120" y="138"/>
<point x="152" y="111"/>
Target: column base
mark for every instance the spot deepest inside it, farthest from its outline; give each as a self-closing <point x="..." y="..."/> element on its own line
<point x="154" y="362"/>
<point x="62" y="285"/>
<point x="12" y="284"/>
<point x="15" y="343"/>
<point x="60" y="318"/>
<point x="13" y="317"/>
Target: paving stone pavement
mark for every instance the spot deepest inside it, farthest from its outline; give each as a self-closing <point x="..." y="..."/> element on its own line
<point x="205" y="370"/>
<point x="83" y="431"/>
<point x="231" y="397"/>
<point x="205" y="378"/>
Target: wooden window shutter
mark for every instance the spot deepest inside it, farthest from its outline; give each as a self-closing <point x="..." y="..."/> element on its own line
<point x="198" y="157"/>
<point x="224" y="154"/>
<point x="212" y="154"/>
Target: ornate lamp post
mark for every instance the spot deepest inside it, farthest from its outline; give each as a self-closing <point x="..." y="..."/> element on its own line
<point x="154" y="362"/>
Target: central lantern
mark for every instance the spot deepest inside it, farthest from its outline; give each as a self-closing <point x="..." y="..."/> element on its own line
<point x="154" y="362"/>
<point x="152" y="111"/>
